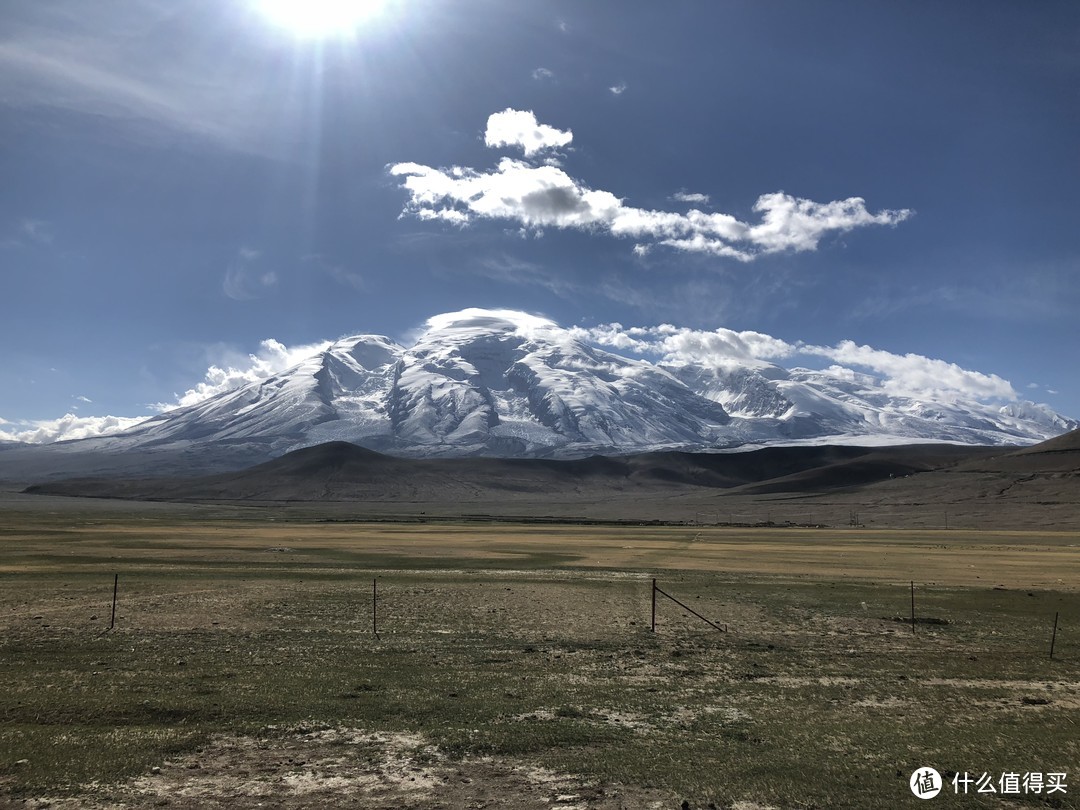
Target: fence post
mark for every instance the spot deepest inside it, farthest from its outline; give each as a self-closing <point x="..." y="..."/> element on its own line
<point x="1053" y="637"/>
<point x="653" y="624"/>
<point x="685" y="607"/>
<point x="912" y="606"/>
<point x="116" y="583"/>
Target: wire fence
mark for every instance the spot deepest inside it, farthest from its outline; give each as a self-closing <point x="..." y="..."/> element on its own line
<point x="615" y="607"/>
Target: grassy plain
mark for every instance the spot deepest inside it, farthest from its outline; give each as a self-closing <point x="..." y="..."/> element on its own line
<point x="515" y="667"/>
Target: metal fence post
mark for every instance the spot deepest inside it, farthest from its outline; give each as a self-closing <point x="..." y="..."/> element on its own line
<point x="653" y="624"/>
<point x="116" y="583"/>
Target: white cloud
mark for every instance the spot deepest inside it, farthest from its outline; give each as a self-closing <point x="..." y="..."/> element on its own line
<point x="904" y="375"/>
<point x="534" y="196"/>
<point x="699" y="243"/>
<point x="520" y="128"/>
<point x="543" y="74"/>
<point x="84" y="399"/>
<point x="679" y="345"/>
<point x="690" y="197"/>
<point x="273" y="357"/>
<point x="916" y="376"/>
<point x="474" y="317"/>
<point x="547" y="196"/>
<point x="618" y="89"/>
<point x="69" y="426"/>
<point x="789" y="223"/>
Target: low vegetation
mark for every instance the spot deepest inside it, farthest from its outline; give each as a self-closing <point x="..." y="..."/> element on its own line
<point x="516" y="666"/>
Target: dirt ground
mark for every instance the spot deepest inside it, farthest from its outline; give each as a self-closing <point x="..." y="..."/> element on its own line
<point x="314" y="766"/>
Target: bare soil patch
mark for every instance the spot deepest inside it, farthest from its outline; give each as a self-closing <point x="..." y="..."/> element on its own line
<point x="319" y="766"/>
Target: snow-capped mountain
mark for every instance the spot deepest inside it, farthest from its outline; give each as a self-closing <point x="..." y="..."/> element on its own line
<point x="509" y="384"/>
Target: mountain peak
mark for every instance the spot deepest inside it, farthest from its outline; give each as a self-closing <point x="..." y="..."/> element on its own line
<point x="508" y="383"/>
<point x="370" y="351"/>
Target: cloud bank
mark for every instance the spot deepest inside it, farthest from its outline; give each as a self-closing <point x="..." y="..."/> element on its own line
<point x="537" y="196"/>
<point x="68" y="426"/>
<point x="272" y="358"/>
<point x="902" y="375"/>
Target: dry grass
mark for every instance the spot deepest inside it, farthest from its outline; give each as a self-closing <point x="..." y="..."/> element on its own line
<point x="515" y="668"/>
<point x="950" y="558"/>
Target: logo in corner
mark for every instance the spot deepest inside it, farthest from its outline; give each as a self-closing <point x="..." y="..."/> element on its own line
<point x="925" y="783"/>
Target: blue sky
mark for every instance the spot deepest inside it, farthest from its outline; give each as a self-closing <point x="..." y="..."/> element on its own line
<point x="212" y="185"/>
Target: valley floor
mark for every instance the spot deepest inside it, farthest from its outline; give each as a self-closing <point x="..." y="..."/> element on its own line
<point x="514" y="666"/>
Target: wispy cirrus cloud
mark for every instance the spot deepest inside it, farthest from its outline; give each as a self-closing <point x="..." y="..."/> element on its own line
<point x="244" y="279"/>
<point x="26" y="232"/>
<point x="37" y="230"/>
<point x="137" y="65"/>
<point x="512" y="270"/>
<point x="541" y="196"/>
<point x="1017" y="291"/>
<point x="81" y="76"/>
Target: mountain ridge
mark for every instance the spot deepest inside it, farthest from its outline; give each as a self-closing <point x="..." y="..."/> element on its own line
<point x="505" y="384"/>
<point x="341" y="471"/>
<point x="921" y="486"/>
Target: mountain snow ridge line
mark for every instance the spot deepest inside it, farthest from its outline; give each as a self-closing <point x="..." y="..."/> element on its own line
<point x="505" y="383"/>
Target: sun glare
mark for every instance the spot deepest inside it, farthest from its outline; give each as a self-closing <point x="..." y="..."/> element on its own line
<point x="319" y="18"/>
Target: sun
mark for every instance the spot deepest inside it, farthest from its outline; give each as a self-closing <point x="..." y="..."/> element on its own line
<point x="319" y="18"/>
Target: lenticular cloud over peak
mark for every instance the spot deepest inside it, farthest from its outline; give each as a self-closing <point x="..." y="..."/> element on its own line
<point x="547" y="196"/>
<point x="493" y="319"/>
